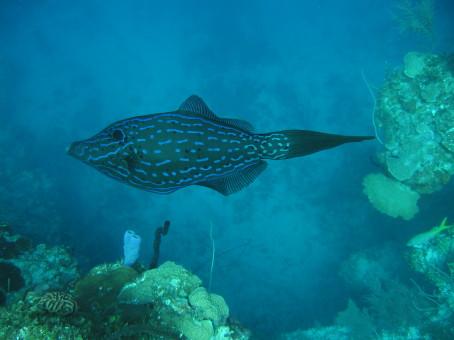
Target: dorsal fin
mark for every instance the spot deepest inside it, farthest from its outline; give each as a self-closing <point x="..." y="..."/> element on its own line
<point x="195" y="105"/>
<point x="236" y="181"/>
<point x="238" y="123"/>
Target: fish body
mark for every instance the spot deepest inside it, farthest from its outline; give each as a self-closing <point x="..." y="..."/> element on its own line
<point x="164" y="152"/>
<point x="420" y="240"/>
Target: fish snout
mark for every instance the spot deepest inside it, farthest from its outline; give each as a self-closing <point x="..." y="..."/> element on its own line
<point x="77" y="150"/>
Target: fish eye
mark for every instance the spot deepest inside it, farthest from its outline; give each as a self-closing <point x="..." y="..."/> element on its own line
<point x="118" y="135"/>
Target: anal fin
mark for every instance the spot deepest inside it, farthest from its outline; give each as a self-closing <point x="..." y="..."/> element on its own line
<point x="236" y="181"/>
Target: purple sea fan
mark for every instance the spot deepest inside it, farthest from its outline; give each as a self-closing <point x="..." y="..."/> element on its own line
<point x="131" y="247"/>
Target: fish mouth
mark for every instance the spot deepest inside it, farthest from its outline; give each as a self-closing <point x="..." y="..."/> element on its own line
<point x="70" y="149"/>
<point x="76" y="149"/>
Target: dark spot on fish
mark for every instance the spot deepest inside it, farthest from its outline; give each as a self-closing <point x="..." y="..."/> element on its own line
<point x="186" y="150"/>
<point x="130" y="162"/>
<point x="118" y="135"/>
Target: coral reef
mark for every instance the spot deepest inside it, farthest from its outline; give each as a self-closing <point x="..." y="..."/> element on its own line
<point x="27" y="273"/>
<point x="24" y="320"/>
<point x="97" y="291"/>
<point x="45" y="299"/>
<point x="181" y="303"/>
<point x="385" y="307"/>
<point x="415" y="112"/>
<point x="434" y="259"/>
<point x="47" y="268"/>
<point x="24" y="267"/>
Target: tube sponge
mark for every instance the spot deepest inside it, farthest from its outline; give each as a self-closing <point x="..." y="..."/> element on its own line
<point x="131" y="247"/>
<point x="391" y="197"/>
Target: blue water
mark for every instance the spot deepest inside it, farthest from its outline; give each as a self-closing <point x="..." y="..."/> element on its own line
<point x="70" y="68"/>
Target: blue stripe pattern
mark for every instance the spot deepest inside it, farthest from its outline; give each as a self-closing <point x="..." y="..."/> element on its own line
<point x="165" y="152"/>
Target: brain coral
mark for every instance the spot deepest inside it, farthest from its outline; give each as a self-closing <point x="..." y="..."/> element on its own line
<point x="209" y="306"/>
<point x="391" y="197"/>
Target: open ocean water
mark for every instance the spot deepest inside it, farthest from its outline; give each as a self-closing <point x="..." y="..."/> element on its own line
<point x="290" y="250"/>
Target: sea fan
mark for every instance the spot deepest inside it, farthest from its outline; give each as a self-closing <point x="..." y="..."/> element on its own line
<point x="415" y="16"/>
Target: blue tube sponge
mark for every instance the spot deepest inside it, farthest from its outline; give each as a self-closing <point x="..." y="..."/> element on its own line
<point x="131" y="247"/>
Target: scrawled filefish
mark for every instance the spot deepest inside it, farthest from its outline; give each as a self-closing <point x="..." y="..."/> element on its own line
<point x="165" y="152"/>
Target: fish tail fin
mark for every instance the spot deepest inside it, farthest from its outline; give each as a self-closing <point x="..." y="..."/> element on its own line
<point x="296" y="143"/>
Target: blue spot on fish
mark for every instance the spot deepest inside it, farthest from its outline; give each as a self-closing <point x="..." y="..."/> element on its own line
<point x="205" y="159"/>
<point x="167" y="161"/>
<point x="164" y="142"/>
<point x="188" y="170"/>
<point x="141" y="171"/>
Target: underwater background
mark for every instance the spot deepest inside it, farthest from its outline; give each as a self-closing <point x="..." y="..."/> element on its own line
<point x="68" y="69"/>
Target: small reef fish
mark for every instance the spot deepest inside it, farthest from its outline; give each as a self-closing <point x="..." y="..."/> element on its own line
<point x="165" y="152"/>
<point x="420" y="240"/>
